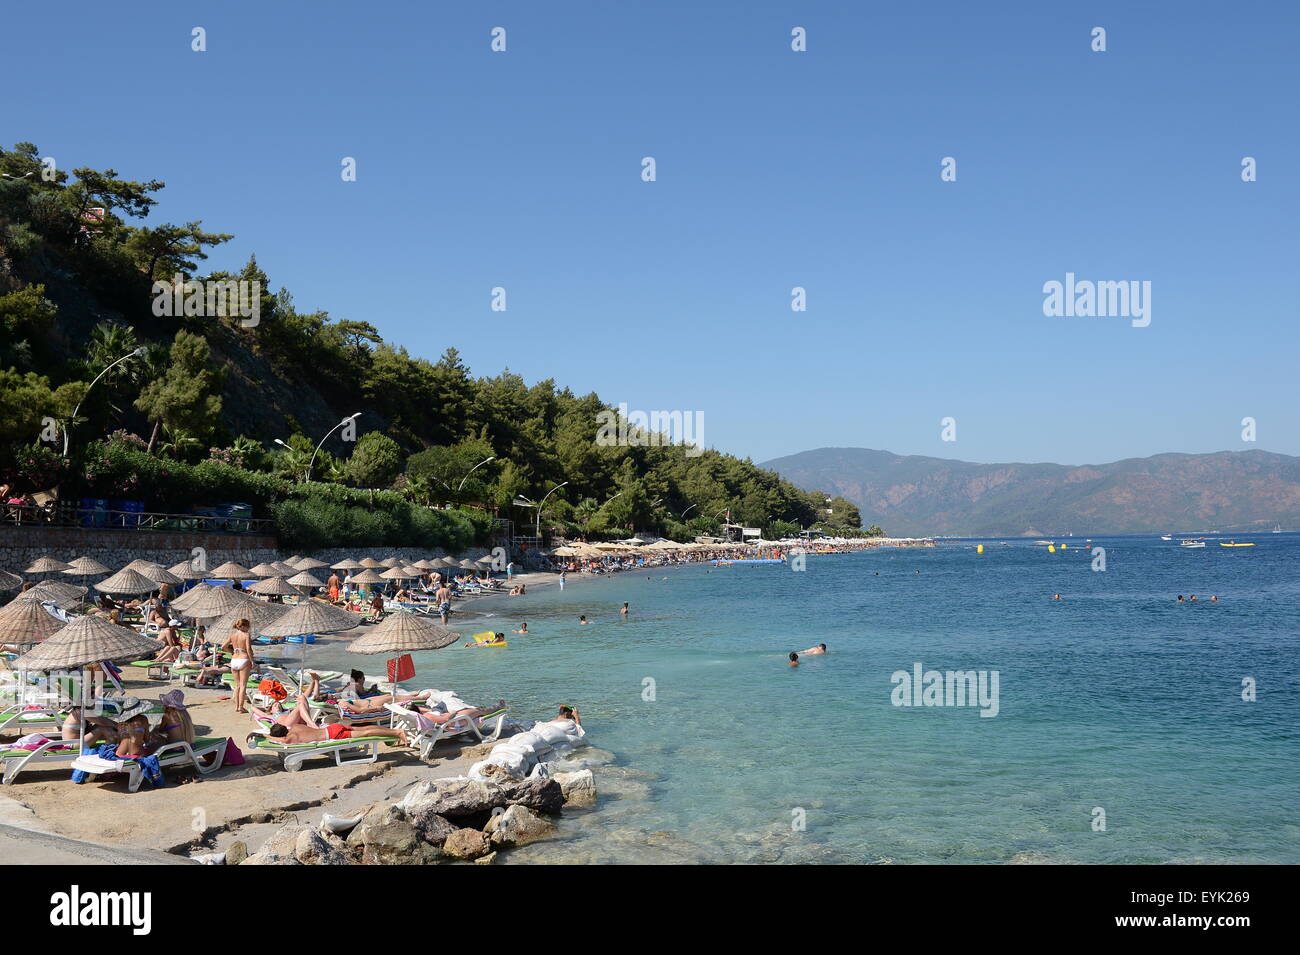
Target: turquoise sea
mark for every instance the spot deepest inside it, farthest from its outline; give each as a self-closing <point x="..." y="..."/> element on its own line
<point x="1116" y="698"/>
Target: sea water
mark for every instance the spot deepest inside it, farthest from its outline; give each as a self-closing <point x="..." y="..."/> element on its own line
<point x="1121" y="733"/>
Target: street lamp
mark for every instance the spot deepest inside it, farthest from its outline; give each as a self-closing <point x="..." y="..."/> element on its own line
<point x="538" y="535"/>
<point x="136" y="353"/>
<point x="312" y="463"/>
<point x="461" y="486"/>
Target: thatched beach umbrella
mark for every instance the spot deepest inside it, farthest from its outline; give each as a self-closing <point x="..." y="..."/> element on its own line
<point x="258" y="613"/>
<point x="86" y="567"/>
<point x="467" y="565"/>
<point x="310" y="563"/>
<point x="47" y="565"/>
<point x="312" y="616"/>
<point x="348" y="564"/>
<point x="367" y="576"/>
<point x="230" y="570"/>
<point x="127" y="581"/>
<point x="186" y="570"/>
<point x="64" y="596"/>
<point x="370" y="562"/>
<point x="395" y="573"/>
<point x="392" y="561"/>
<point x="403" y="633"/>
<point x="293" y="561"/>
<point x="83" y="642"/>
<point x="305" y="579"/>
<point x="426" y="564"/>
<point x="182" y="603"/>
<point x="217" y="602"/>
<point x="160" y="575"/>
<point x="485" y="560"/>
<point x="273" y="587"/>
<point x="26" y="622"/>
<point x="265" y="570"/>
<point x="9" y="581"/>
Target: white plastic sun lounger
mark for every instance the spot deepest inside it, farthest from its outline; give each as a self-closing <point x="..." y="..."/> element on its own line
<point x="426" y="739"/>
<point x="171" y="754"/>
<point x="52" y="754"/>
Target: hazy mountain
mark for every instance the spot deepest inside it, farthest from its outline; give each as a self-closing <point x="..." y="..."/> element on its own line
<point x="910" y="495"/>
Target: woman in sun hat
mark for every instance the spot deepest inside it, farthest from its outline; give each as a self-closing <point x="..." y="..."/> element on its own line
<point x="176" y="725"/>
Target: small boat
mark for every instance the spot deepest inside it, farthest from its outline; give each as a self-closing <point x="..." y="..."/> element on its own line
<point x="1235" y="544"/>
<point x="1191" y="543"/>
<point x="1166" y="537"/>
<point x="1277" y="528"/>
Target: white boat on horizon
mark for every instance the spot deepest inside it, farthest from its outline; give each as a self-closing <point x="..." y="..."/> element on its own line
<point x="1166" y="537"/>
<point x="1189" y="542"/>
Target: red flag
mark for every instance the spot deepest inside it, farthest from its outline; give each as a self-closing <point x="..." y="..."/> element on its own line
<point x="401" y="669"/>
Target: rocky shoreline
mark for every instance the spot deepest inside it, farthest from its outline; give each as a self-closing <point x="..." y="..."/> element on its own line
<point x="436" y="821"/>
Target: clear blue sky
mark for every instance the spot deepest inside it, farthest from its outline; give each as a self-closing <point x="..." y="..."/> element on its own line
<point x="775" y="169"/>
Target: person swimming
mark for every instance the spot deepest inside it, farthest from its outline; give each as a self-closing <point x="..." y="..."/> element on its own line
<point x="794" y="659"/>
<point x="813" y="651"/>
<point x="1056" y="596"/>
<point x="624" y="610"/>
<point x="583" y="621"/>
<point x="523" y="627"/>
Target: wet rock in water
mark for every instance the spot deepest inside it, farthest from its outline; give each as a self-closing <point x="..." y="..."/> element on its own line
<point x="579" y="788"/>
<point x="314" y="847"/>
<point x="387" y="837"/>
<point x="432" y="828"/>
<point x="466" y="844"/>
<point x="450" y="798"/>
<point x="518" y="826"/>
<point x="539" y="795"/>
<point x="237" y="853"/>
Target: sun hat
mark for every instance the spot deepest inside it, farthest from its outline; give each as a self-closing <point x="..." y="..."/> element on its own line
<point x="174" y="699"/>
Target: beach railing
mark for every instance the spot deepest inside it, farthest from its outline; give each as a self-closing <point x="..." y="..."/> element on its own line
<point x="68" y="514"/>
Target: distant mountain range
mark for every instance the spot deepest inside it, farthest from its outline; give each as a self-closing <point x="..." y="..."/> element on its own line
<point x="911" y="495"/>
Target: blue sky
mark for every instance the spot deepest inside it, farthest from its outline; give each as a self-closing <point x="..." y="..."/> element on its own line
<point x="775" y="169"/>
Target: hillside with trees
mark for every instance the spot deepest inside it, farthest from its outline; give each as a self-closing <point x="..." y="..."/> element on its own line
<point x="212" y="408"/>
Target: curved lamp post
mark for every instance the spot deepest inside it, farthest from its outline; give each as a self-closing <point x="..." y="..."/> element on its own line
<point x="136" y="353"/>
<point x="461" y="486"/>
<point x="538" y="534"/>
<point x="312" y="463"/>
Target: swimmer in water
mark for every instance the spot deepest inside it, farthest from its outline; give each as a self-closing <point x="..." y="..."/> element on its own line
<point x="1056" y="596"/>
<point x="583" y="621"/>
<point x="1192" y="598"/>
<point x="794" y="659"/>
<point x="1214" y="599"/>
<point x="624" y="610"/>
<point x="813" y="651"/>
<point x="1180" y="598"/>
<point x="523" y="627"/>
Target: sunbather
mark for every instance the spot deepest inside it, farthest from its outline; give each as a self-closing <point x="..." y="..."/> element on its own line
<point x="437" y="714"/>
<point x="177" y="725"/>
<point x="313" y="734"/>
<point x="133" y="738"/>
<point x="300" y="715"/>
<point x="375" y="704"/>
<point x="96" y="728"/>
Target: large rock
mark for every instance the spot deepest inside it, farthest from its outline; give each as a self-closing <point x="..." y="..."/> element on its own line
<point x="518" y="826"/>
<point x="237" y="853"/>
<point x="466" y="844"/>
<point x="314" y="847"/>
<point x="450" y="798"/>
<point x="579" y="788"/>
<point x="432" y="828"/>
<point x="539" y="795"/>
<point x="270" y="858"/>
<point x="387" y="837"/>
<point x="284" y="841"/>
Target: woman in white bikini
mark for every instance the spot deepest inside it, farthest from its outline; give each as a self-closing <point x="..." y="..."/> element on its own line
<point x="240" y="646"/>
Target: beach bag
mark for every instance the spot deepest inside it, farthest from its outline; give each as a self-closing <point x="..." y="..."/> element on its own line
<point x="234" y="757"/>
<point x="273" y="689"/>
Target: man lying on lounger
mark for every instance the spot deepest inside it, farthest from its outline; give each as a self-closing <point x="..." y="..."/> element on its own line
<point x="437" y="714"/>
<point x="301" y="733"/>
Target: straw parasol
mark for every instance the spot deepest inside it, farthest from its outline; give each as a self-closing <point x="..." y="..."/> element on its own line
<point x="467" y="564"/>
<point x="265" y="570"/>
<point x="310" y="563"/>
<point x="183" y="602"/>
<point x="392" y="562"/>
<point x="348" y="564"/>
<point x="47" y="565"/>
<point x="160" y="575"/>
<point x="186" y="570"/>
<point x="25" y="622"/>
<point x="9" y="581"/>
<point x="273" y="586"/>
<point x="230" y="570"/>
<point x="63" y="596"/>
<point x="402" y="633"/>
<point x="370" y="562"/>
<point x="291" y="561"/>
<point x="485" y="559"/>
<point x="127" y="581"/>
<point x="84" y="641"/>
<point x="310" y="617"/>
<point x="565" y="551"/>
<point x="259" y="614"/>
<point x="216" y="602"/>
<point x="305" y="579"/>
<point x="86" y="567"/>
<point x="367" y="576"/>
<point x="426" y="564"/>
<point x="396" y="573"/>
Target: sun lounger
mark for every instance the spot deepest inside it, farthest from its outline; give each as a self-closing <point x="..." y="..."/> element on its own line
<point x="344" y="752"/>
<point x="169" y="755"/>
<point x="426" y="739"/>
<point x="52" y="754"/>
